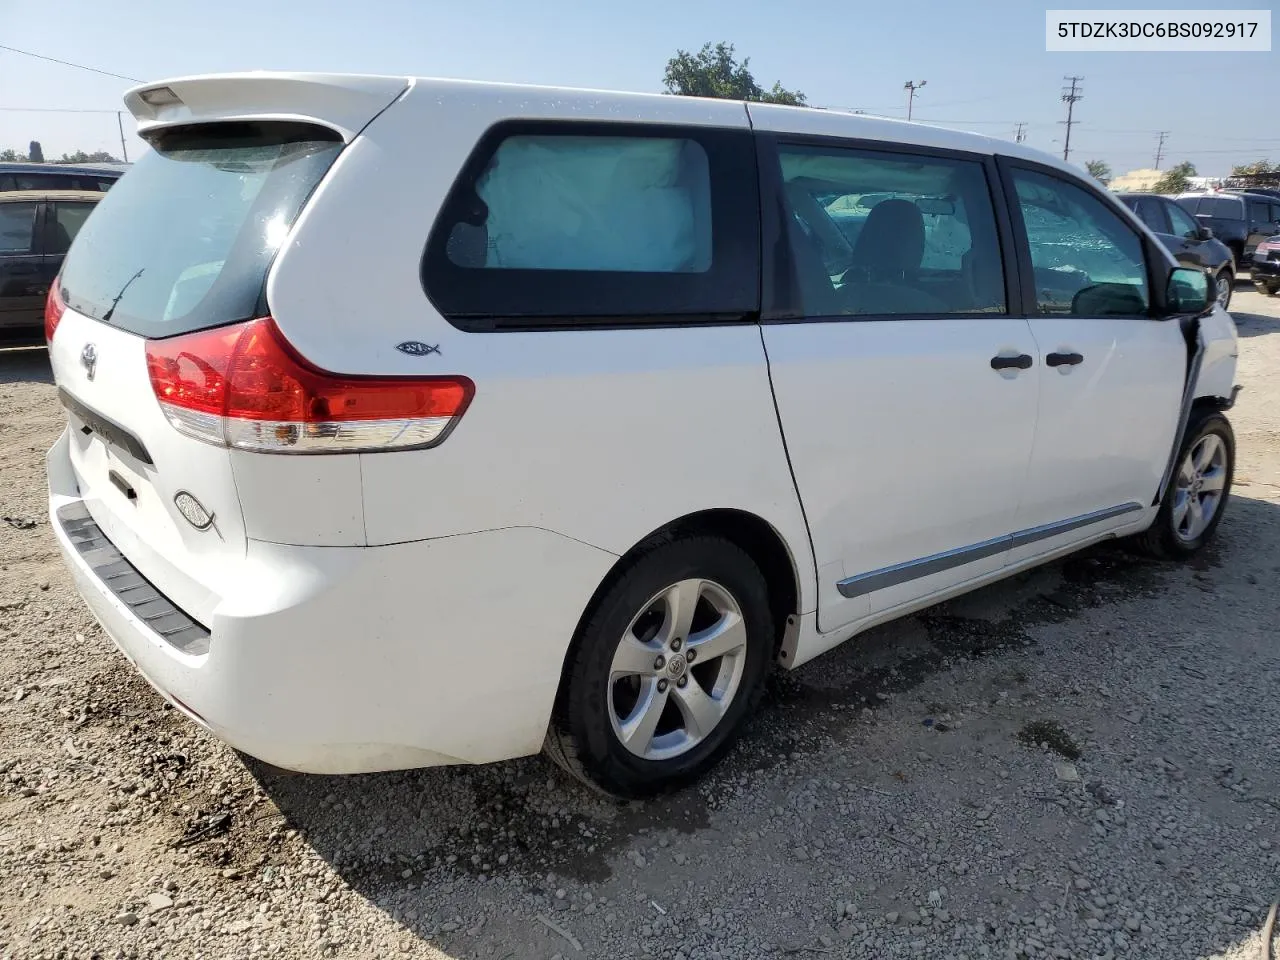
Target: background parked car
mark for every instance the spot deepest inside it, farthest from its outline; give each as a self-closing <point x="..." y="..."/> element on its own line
<point x="1192" y="244"/>
<point x="1265" y="267"/>
<point x="59" y="176"/>
<point x="1240" y="220"/>
<point x="36" y="228"/>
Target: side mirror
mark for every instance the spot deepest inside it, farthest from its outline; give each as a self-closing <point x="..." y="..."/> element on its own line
<point x="1204" y="233"/>
<point x="1187" y="291"/>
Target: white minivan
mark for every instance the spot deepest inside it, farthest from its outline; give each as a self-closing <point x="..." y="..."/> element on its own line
<point x="419" y="422"/>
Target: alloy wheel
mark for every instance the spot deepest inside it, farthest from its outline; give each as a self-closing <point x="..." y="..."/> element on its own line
<point x="1198" y="493"/>
<point x="1222" y="289"/>
<point x="676" y="669"/>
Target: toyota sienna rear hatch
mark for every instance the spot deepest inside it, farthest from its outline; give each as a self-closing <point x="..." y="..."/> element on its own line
<point x="182" y="244"/>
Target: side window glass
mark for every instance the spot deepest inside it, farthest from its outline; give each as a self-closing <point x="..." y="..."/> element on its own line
<point x="884" y="234"/>
<point x="1184" y="225"/>
<point x="1087" y="261"/>
<point x="68" y="218"/>
<point x="1150" y="213"/>
<point x="39" y="181"/>
<point x="1259" y="212"/>
<point x="570" y="224"/>
<point x="17" y="228"/>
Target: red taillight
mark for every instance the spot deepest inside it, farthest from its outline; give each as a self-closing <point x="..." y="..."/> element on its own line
<point x="54" y="308"/>
<point x="245" y="387"/>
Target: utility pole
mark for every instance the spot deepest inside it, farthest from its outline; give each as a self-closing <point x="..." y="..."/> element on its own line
<point x="124" y="149"/>
<point x="1164" y="135"/>
<point x="1070" y="97"/>
<point x="1020" y="134"/>
<point x="911" y="87"/>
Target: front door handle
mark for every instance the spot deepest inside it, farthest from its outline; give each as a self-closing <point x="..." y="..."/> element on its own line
<point x="1063" y="359"/>
<point x="1021" y="362"/>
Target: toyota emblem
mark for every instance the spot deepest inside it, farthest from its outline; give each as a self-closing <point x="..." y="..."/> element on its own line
<point x="89" y="360"/>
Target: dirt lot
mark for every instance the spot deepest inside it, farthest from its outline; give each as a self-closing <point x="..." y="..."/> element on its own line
<point x="1081" y="762"/>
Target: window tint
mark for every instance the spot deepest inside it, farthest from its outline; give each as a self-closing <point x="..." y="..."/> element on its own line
<point x="68" y="217"/>
<point x="891" y="234"/>
<point x="17" y="227"/>
<point x="1182" y="223"/>
<point x="185" y="241"/>
<point x="1224" y="208"/>
<point x="1150" y="211"/>
<point x="1259" y="211"/>
<point x="1087" y="261"/>
<point x="599" y="222"/>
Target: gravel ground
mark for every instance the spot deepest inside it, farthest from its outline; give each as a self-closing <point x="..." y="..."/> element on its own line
<point x="1081" y="762"/>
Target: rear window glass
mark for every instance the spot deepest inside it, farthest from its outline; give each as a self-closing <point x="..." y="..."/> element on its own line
<point x="1224" y="208"/>
<point x="184" y="242"/>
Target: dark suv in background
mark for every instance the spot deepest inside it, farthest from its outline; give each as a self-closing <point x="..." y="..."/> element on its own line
<point x="1192" y="244"/>
<point x="59" y="176"/>
<point x="1240" y="220"/>
<point x="36" y="229"/>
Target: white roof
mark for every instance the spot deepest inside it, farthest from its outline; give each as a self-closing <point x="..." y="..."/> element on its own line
<point x="348" y="101"/>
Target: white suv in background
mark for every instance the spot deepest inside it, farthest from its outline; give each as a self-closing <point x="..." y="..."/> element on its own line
<point x="417" y="422"/>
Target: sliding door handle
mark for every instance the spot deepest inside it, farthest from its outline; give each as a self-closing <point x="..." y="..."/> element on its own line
<point x="1021" y="362"/>
<point x="1063" y="359"/>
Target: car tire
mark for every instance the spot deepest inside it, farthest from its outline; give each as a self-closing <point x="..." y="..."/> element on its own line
<point x="1223" y="285"/>
<point x="1266" y="289"/>
<point x="1197" y="492"/>
<point x="631" y="727"/>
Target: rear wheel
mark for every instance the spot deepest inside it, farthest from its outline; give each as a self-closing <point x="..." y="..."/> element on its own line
<point x="1266" y="289"/>
<point x="665" y="668"/>
<point x="1197" y="492"/>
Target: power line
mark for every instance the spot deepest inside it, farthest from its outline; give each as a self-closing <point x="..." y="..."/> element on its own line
<point x="1070" y="98"/>
<point x="1164" y="135"/>
<point x="53" y="110"/>
<point x="68" y="63"/>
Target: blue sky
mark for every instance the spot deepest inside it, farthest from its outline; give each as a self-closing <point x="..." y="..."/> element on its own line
<point x="984" y="61"/>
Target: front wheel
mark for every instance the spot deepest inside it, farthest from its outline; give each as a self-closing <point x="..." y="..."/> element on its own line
<point x="1197" y="492"/>
<point x="1266" y="289"/>
<point x="1222" y="287"/>
<point x="665" y="668"/>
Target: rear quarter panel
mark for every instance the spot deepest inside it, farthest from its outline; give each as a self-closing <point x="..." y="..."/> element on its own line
<point x="599" y="435"/>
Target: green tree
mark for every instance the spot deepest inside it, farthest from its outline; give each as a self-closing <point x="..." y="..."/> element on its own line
<point x="1099" y="169"/>
<point x="12" y="155"/>
<point x="35" y="152"/>
<point x="1258" y="166"/>
<point x="714" y="72"/>
<point x="1176" y="179"/>
<point x="98" y="156"/>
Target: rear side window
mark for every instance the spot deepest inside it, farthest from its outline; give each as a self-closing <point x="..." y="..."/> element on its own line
<point x="17" y="227"/>
<point x="1087" y="261"/>
<point x="68" y="217"/>
<point x="885" y="234"/>
<point x="185" y="241"/>
<point x="598" y="224"/>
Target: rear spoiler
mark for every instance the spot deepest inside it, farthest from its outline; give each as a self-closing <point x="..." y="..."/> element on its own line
<point x="343" y="103"/>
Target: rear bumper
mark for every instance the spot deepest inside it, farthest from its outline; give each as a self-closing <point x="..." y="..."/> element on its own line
<point x="358" y="659"/>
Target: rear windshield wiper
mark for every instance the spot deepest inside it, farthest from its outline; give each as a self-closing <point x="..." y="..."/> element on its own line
<point x="106" y="317"/>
